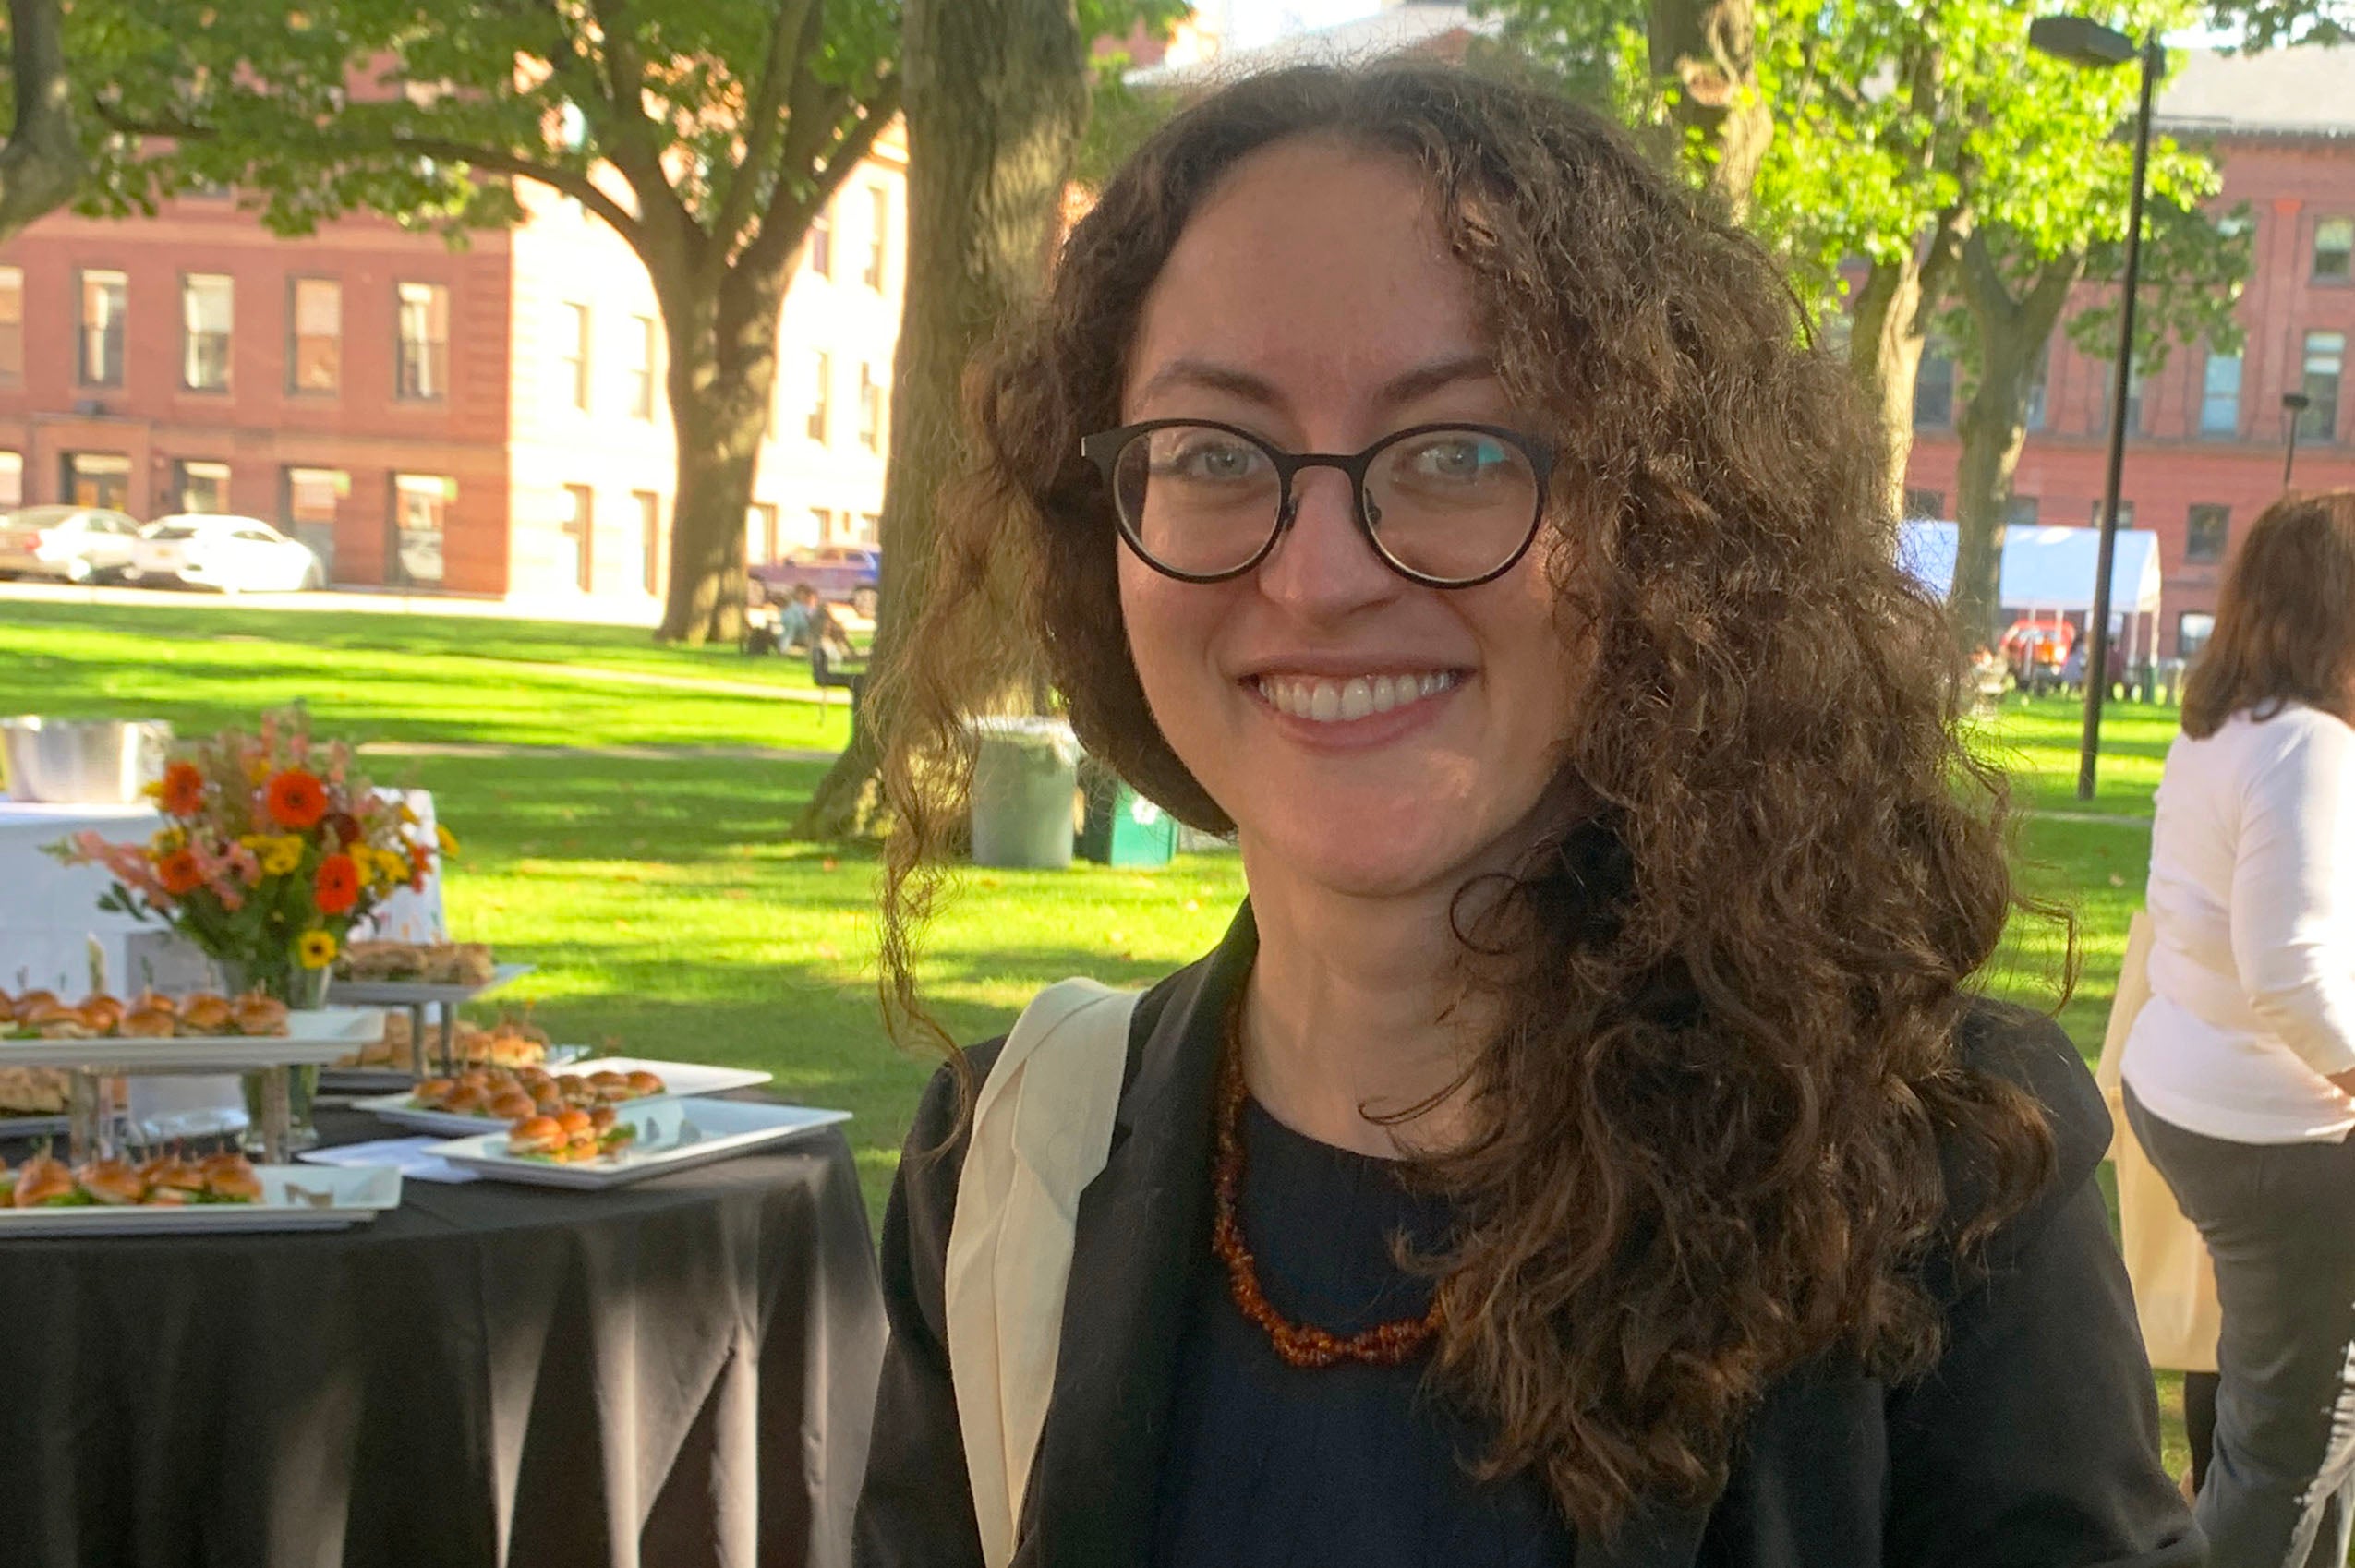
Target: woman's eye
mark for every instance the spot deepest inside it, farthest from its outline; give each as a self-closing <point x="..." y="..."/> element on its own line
<point x="1209" y="460"/>
<point x="1458" y="458"/>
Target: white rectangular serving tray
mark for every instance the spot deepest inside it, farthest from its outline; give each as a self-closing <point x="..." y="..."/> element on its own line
<point x="314" y="1036"/>
<point x="673" y="1135"/>
<point x="422" y="994"/>
<point x="679" y="1080"/>
<point x="293" y="1198"/>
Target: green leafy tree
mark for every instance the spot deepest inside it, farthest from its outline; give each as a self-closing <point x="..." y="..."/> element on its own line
<point x="706" y="133"/>
<point x="2263" y="24"/>
<point x="42" y="165"/>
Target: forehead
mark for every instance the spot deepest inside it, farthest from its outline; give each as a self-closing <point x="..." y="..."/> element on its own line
<point x="1314" y="266"/>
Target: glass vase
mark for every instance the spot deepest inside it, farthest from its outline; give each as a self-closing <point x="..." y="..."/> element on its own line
<point x="298" y="988"/>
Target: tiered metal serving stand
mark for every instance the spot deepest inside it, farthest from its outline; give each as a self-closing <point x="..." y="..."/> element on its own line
<point x="417" y="999"/>
<point x="96" y="1069"/>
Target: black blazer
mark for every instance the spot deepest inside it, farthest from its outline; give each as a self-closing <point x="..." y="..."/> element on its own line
<point x="2033" y="1444"/>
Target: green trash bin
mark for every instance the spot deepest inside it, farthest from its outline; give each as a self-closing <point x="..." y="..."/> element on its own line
<point x="1122" y="827"/>
<point x="1024" y="775"/>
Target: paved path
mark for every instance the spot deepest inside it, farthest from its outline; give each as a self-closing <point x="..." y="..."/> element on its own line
<point x="614" y="753"/>
<point x="2099" y="819"/>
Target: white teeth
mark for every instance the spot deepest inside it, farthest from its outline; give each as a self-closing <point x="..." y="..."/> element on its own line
<point x="1331" y="702"/>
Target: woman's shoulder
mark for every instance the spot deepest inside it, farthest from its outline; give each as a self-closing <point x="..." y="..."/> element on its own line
<point x="2003" y="1042"/>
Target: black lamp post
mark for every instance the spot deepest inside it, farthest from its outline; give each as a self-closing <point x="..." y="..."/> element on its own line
<point x="2081" y="42"/>
<point x="2293" y="413"/>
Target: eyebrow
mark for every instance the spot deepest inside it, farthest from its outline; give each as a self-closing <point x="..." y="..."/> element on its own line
<point x="1404" y="388"/>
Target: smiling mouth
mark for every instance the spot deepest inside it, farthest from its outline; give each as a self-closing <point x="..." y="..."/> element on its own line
<point x="1324" y="701"/>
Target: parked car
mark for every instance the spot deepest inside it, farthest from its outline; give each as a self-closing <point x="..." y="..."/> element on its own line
<point x="77" y="544"/>
<point x="850" y="574"/>
<point x="232" y="554"/>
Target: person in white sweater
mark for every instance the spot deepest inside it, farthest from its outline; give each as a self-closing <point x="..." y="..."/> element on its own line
<point x="2240" y="1073"/>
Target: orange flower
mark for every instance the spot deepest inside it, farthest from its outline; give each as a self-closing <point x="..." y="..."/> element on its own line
<point x="179" y="874"/>
<point x="183" y="790"/>
<point x="296" y="799"/>
<point x="338" y="886"/>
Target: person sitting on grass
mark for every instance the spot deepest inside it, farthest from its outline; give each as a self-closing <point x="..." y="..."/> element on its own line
<point x="1591" y="1142"/>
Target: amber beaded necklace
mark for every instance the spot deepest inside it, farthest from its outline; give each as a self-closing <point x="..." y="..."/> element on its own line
<point x="1299" y="1344"/>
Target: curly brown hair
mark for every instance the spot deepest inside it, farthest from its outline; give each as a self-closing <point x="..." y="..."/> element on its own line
<point x="1708" y="1123"/>
<point x="2284" y="628"/>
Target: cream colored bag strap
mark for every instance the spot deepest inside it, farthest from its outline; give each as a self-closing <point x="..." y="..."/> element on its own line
<point x="1041" y="1128"/>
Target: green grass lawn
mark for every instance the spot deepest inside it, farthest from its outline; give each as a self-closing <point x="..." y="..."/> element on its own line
<point x="668" y="911"/>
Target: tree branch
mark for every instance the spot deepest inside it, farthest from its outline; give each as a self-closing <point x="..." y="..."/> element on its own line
<point x="1982" y="280"/>
<point x="573" y="183"/>
<point x="42" y="165"/>
<point x="779" y="230"/>
<point x="633" y="142"/>
<point x="791" y="42"/>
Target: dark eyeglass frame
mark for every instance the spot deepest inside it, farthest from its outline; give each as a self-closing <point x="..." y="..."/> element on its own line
<point x="1105" y="448"/>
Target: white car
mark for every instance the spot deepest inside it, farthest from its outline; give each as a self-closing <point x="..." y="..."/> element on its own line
<point x="78" y="544"/>
<point x="232" y="554"/>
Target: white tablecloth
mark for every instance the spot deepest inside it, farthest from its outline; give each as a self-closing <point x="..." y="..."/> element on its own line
<point x="49" y="913"/>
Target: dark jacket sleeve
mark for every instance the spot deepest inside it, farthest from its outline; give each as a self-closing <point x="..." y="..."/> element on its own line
<point x="2034" y="1444"/>
<point x="915" y="1506"/>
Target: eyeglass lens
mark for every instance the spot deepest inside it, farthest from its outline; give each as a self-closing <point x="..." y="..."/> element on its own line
<point x="1453" y="505"/>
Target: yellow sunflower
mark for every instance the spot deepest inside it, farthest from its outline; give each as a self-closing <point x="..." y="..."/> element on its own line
<point x="280" y="855"/>
<point x="315" y="949"/>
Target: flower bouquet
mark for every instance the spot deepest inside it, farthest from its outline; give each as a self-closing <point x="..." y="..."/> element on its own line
<point x="272" y="848"/>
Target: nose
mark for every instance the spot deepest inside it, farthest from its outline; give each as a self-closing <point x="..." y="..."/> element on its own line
<point x="1324" y="568"/>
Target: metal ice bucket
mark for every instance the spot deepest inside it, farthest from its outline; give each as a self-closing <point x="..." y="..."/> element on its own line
<point x="82" y="761"/>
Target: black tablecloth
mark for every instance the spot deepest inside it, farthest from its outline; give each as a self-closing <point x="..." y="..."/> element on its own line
<point x="672" y="1374"/>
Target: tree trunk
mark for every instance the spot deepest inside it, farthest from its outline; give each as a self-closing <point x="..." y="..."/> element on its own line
<point x="1707" y="50"/>
<point x="42" y="165"/>
<point x="2011" y="333"/>
<point x="988" y="156"/>
<point x="722" y="378"/>
<point x="1890" y="325"/>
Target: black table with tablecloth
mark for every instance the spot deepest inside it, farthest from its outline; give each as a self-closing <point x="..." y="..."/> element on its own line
<point x="673" y="1374"/>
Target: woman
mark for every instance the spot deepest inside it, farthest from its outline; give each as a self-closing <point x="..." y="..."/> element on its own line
<point x="1582" y="1147"/>
<point x="2240" y="1069"/>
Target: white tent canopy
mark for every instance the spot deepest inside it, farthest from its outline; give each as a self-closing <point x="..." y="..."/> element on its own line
<point x="2047" y="570"/>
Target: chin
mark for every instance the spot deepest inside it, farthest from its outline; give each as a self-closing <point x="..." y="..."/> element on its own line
<point x="1352" y="856"/>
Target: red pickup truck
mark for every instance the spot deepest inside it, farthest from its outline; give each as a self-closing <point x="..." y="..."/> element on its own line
<point x="850" y="574"/>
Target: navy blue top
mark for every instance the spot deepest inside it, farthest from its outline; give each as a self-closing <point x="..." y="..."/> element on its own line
<point x="1273" y="1466"/>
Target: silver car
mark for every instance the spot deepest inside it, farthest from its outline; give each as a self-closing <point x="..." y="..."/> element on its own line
<point x="74" y="544"/>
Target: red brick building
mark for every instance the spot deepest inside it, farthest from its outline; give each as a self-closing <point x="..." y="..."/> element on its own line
<point x="2208" y="434"/>
<point x="488" y="420"/>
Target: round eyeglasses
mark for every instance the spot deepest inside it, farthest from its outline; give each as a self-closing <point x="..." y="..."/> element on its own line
<point x="1448" y="506"/>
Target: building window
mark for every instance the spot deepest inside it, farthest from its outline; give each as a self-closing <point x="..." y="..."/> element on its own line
<point x="420" y="521"/>
<point x="2326" y="359"/>
<point x="870" y="409"/>
<point x="821" y="243"/>
<point x="873" y="522"/>
<point x="2204" y="534"/>
<point x="421" y="371"/>
<point x="879" y="232"/>
<point x="208" y="307"/>
<point x="12" y="326"/>
<point x="2133" y="400"/>
<point x="1924" y="503"/>
<point x="825" y="521"/>
<point x="2334" y="249"/>
<point x="105" y="298"/>
<point x="580" y="531"/>
<point x="2035" y="410"/>
<point x="2020" y="511"/>
<point x="96" y="478"/>
<point x="2192" y="631"/>
<point x="641" y="349"/>
<point x="821" y="386"/>
<point x="2220" y="396"/>
<point x="576" y="330"/>
<point x="12" y="479"/>
<point x="315" y="336"/>
<point x="201" y="487"/>
<point x="307" y="506"/>
<point x="2125" y="514"/>
<point x="649" y="539"/>
<point x="760" y="533"/>
<point x="1934" y="388"/>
